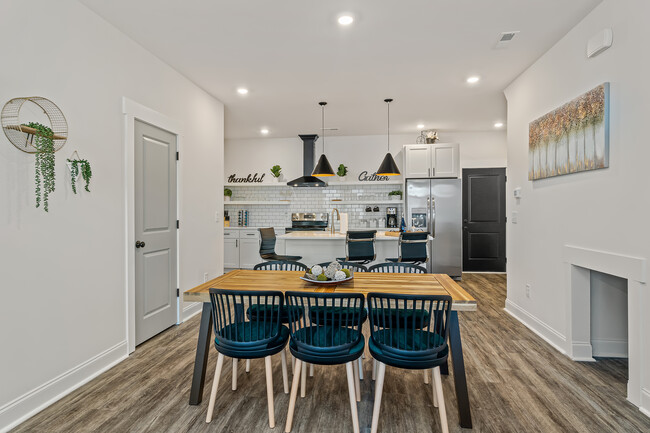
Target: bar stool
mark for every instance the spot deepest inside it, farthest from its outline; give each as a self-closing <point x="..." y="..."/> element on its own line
<point x="238" y="338"/>
<point x="360" y="247"/>
<point x="267" y="246"/>
<point x="400" y="344"/>
<point x="412" y="247"/>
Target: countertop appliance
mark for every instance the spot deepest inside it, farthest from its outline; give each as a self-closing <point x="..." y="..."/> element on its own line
<point x="436" y="206"/>
<point x="391" y="217"/>
<point x="308" y="222"/>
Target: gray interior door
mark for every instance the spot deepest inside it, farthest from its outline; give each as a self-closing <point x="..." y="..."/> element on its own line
<point x="484" y="219"/>
<point x="155" y="231"/>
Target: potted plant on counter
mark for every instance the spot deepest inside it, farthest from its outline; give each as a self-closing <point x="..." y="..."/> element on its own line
<point x="276" y="171"/>
<point x="395" y="195"/>
<point x="342" y="172"/>
<point x="227" y="193"/>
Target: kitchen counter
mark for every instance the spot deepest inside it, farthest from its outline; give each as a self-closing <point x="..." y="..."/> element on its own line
<point x="316" y="235"/>
<point x="317" y="247"/>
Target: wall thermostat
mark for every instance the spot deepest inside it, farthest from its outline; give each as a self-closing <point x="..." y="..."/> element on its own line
<point x="599" y="42"/>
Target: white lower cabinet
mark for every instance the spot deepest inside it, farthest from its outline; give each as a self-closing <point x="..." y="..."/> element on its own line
<point x="241" y="249"/>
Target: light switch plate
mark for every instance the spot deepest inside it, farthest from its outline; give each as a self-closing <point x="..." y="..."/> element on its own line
<point x="515" y="215"/>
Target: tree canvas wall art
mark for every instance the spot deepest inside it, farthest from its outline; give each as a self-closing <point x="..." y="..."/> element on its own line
<point x="572" y="138"/>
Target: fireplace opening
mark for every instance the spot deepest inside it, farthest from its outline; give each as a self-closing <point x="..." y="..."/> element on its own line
<point x="608" y="321"/>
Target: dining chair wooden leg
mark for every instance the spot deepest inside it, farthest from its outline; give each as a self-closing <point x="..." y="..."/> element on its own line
<point x="435" y="393"/>
<point x="361" y="367"/>
<point x="303" y="380"/>
<point x="285" y="380"/>
<point x="311" y="370"/>
<point x="426" y="376"/>
<point x="294" y="396"/>
<point x="352" y="392"/>
<point x="357" y="384"/>
<point x="441" y="400"/>
<point x="379" y="388"/>
<point x="215" y="385"/>
<point x="248" y="366"/>
<point x="234" y="374"/>
<point x="269" y="390"/>
<point x="293" y="361"/>
<point x="374" y="369"/>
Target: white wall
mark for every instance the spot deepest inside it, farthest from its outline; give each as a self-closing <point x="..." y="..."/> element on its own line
<point x="603" y="210"/>
<point x="358" y="153"/>
<point x="63" y="272"/>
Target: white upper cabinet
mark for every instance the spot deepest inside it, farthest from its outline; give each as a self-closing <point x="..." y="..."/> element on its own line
<point x="431" y="160"/>
<point x="417" y="161"/>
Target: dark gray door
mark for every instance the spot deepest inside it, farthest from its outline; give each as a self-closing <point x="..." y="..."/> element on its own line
<point x="155" y="231"/>
<point x="484" y="219"/>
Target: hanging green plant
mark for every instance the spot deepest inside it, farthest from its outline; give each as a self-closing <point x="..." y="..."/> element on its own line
<point x="44" y="173"/>
<point x="80" y="166"/>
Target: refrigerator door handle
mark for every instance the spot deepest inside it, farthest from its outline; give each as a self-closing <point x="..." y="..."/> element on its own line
<point x="433" y="217"/>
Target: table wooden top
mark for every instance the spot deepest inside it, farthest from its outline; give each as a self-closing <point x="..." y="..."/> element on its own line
<point x="363" y="282"/>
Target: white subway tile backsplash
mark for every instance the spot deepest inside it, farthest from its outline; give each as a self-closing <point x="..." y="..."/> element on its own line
<point x="311" y="200"/>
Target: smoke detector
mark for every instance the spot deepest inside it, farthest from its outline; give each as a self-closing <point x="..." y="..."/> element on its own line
<point x="505" y="38"/>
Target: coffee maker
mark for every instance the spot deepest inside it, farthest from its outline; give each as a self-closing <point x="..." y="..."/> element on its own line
<point x="391" y="217"/>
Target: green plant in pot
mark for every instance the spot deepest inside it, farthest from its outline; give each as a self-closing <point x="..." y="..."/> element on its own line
<point x="276" y="171"/>
<point x="395" y="195"/>
<point x="80" y="166"/>
<point x="44" y="175"/>
<point x="342" y="172"/>
<point x="227" y="193"/>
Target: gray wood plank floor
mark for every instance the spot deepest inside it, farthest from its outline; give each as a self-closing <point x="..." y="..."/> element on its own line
<point x="517" y="383"/>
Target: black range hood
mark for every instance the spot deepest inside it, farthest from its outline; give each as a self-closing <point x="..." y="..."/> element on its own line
<point x="307" y="180"/>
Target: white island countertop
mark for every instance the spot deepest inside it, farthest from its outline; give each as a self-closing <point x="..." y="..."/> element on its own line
<point x="322" y="236"/>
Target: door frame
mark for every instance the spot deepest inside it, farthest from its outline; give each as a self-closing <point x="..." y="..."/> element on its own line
<point x="133" y="111"/>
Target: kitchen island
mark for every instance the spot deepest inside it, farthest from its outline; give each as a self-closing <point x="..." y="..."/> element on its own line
<point x="319" y="246"/>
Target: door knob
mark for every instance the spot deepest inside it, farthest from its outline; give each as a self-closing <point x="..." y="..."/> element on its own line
<point x="139" y="244"/>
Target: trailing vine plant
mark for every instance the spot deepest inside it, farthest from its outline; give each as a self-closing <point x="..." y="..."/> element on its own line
<point x="44" y="173"/>
<point x="83" y="166"/>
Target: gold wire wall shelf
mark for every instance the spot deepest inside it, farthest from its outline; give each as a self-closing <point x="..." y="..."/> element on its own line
<point x="22" y="136"/>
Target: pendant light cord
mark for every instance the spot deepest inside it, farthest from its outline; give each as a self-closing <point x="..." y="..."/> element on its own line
<point x="388" y="101"/>
<point x="322" y="123"/>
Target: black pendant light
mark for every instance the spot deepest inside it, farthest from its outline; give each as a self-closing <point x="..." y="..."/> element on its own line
<point x="323" y="168"/>
<point x="388" y="166"/>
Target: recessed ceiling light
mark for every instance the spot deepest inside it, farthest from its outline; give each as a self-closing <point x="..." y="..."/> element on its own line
<point x="242" y="91"/>
<point x="264" y="131"/>
<point x="420" y="126"/>
<point x="498" y="125"/>
<point x="473" y="80"/>
<point x="345" y="20"/>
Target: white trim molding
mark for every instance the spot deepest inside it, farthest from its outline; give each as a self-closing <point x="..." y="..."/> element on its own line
<point x="191" y="310"/>
<point x="132" y="111"/>
<point x="579" y="264"/>
<point x="543" y="330"/>
<point x="34" y="401"/>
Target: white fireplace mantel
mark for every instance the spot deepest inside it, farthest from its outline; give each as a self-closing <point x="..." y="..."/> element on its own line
<point x="580" y="261"/>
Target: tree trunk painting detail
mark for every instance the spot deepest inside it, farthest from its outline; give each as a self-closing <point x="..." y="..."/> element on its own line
<point x="572" y="138"/>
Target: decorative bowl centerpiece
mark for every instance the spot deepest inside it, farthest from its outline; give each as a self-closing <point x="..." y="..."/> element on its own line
<point x="333" y="274"/>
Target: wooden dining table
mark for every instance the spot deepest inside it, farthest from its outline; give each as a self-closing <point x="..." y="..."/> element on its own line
<point x="363" y="282"/>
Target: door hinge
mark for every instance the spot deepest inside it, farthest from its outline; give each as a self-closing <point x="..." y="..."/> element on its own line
<point x="506" y="219"/>
<point x="506" y="260"/>
<point x="178" y="293"/>
<point x="177" y="156"/>
<point x="506" y="180"/>
<point x="178" y="224"/>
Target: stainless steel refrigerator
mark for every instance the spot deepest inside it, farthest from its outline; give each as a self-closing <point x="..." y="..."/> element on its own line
<point x="435" y="205"/>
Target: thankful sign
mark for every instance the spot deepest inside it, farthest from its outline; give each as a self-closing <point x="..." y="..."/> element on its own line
<point x="251" y="178"/>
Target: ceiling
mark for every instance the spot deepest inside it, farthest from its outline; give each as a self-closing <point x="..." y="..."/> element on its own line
<point x="291" y="54"/>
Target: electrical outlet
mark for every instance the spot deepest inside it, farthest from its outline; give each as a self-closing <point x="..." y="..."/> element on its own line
<point x="205" y="277"/>
<point x="528" y="290"/>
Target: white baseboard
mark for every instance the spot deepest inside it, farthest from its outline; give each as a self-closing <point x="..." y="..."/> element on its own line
<point x="191" y="310"/>
<point x="609" y="348"/>
<point x="34" y="401"/>
<point x="547" y="333"/>
<point x="644" y="407"/>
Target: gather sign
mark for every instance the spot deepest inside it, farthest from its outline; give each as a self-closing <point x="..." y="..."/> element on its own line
<point x="251" y="178"/>
<point x="363" y="177"/>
